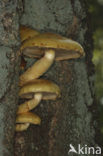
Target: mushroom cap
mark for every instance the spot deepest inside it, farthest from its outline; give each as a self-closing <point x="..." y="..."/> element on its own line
<point x="28" y="117"/>
<point x="65" y="48"/>
<point x="48" y="89"/>
<point x="27" y="33"/>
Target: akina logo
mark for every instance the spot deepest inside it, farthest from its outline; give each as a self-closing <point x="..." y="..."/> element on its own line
<point x="84" y="150"/>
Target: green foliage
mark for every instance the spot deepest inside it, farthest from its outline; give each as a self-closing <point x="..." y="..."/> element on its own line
<point x="96" y="10"/>
<point x="98" y="61"/>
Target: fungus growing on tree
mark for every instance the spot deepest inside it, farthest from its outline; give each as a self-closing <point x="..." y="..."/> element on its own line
<point x="50" y="47"/>
<point x="35" y="91"/>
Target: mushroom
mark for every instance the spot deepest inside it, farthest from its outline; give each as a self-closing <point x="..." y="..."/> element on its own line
<point x="21" y="127"/>
<point x="48" y="89"/>
<point x="64" y="48"/>
<point x="28" y="117"/>
<point x="23" y="120"/>
<point x="50" y="47"/>
<point x="27" y="33"/>
<point x="36" y="91"/>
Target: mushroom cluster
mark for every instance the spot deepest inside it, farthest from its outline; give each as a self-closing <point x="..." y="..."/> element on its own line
<point x="48" y="47"/>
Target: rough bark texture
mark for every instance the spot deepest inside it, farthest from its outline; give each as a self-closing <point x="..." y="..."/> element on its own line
<point x="67" y="120"/>
<point x="8" y="74"/>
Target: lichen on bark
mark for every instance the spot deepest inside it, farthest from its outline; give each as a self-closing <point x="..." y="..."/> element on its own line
<point x="9" y="71"/>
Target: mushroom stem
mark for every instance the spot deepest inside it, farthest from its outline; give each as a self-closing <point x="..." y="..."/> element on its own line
<point x="29" y="105"/>
<point x="39" y="68"/>
<point x="22" y="127"/>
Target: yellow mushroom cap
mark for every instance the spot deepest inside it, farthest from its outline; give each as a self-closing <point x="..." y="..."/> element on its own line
<point x="64" y="48"/>
<point x="48" y="89"/>
<point x="22" y="127"/>
<point x="28" y="117"/>
<point x="27" y="33"/>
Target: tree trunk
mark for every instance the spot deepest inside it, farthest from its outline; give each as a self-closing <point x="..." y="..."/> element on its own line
<point x="8" y="75"/>
<point x="67" y="120"/>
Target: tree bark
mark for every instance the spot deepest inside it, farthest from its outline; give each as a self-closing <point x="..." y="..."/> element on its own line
<point x="68" y="120"/>
<point x="8" y="74"/>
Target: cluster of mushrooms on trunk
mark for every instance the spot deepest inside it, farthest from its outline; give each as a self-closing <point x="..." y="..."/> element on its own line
<point x="49" y="47"/>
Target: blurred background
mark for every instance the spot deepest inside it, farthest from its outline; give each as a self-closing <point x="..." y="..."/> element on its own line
<point x="96" y="11"/>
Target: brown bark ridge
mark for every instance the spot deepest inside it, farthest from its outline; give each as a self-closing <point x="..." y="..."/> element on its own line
<point x="67" y="120"/>
<point x="9" y="70"/>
